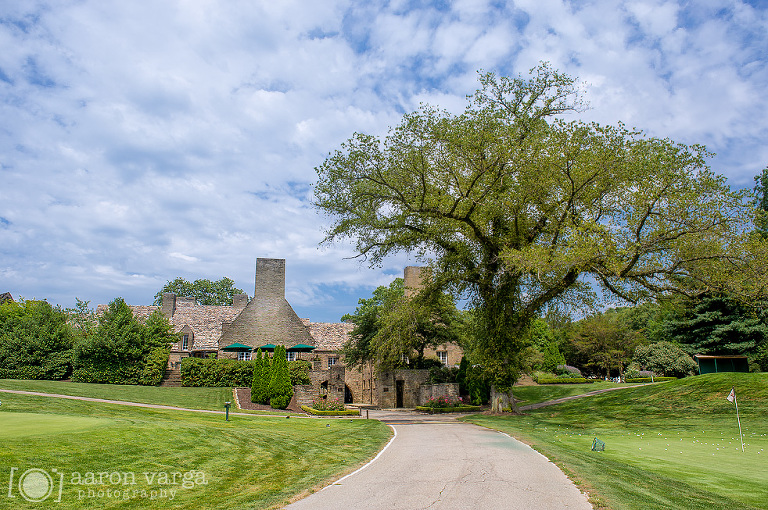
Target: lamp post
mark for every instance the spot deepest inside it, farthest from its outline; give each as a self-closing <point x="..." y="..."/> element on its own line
<point x="226" y="406"/>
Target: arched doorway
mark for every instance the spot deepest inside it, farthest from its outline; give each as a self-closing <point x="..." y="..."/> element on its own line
<point x="348" y="395"/>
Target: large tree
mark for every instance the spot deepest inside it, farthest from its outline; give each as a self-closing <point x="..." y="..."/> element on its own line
<point x="520" y="209"/>
<point x="205" y="292"/>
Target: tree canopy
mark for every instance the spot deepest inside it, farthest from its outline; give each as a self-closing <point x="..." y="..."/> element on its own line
<point x="205" y="292"/>
<point x="522" y="210"/>
<point x="393" y="330"/>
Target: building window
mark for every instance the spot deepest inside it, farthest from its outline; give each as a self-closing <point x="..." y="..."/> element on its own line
<point x="185" y="342"/>
<point x="332" y="361"/>
<point x="443" y="357"/>
<point x="291" y="356"/>
<point x="244" y="356"/>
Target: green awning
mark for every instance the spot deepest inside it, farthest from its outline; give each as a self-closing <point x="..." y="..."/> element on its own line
<point x="268" y="347"/>
<point x="237" y="347"/>
<point x="302" y="348"/>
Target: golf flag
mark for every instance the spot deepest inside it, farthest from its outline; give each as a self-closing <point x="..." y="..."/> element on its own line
<point x="732" y="399"/>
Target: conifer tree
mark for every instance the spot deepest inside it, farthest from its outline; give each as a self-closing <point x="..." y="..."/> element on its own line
<point x="280" y="389"/>
<point x="262" y="390"/>
<point x="257" y="376"/>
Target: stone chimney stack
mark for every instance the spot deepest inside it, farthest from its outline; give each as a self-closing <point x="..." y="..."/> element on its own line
<point x="169" y="304"/>
<point x="270" y="278"/>
<point x="414" y="278"/>
<point x="239" y="300"/>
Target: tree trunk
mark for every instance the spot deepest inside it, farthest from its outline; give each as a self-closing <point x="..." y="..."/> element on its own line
<point x="500" y="400"/>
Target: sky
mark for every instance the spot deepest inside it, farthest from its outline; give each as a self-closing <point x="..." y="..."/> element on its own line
<point x="145" y="140"/>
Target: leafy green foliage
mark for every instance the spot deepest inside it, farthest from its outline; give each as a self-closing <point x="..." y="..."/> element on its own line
<point x="35" y="341"/>
<point x="280" y="389"/>
<point x="605" y="341"/>
<point x="358" y="349"/>
<point x="256" y="382"/>
<point x="122" y="350"/>
<point x="205" y="292"/>
<point x="716" y="324"/>
<point x="216" y="372"/>
<point x="328" y="405"/>
<point x="664" y="359"/>
<point x="299" y="371"/>
<point x="516" y="206"/>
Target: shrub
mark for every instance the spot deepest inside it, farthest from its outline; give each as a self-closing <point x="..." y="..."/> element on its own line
<point x="568" y="371"/>
<point x="122" y="350"/>
<point x="299" y="370"/>
<point x="346" y="412"/>
<point x="280" y="389"/>
<point x="258" y="368"/>
<point x="35" y="341"/>
<point x="154" y="366"/>
<point x="443" y="402"/>
<point x="328" y="405"/>
<point x="216" y="372"/>
<point x="648" y="379"/>
<point x="561" y="380"/>
<point x="665" y="359"/>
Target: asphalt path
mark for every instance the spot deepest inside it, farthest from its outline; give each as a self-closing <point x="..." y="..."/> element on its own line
<point x="436" y="462"/>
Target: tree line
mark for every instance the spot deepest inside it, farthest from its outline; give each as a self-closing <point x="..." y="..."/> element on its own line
<point x="40" y="341"/>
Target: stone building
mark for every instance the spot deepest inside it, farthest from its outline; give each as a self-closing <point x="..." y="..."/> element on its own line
<point x="268" y="318"/>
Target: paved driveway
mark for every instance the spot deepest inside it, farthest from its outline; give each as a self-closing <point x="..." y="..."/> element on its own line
<point x="436" y="462"/>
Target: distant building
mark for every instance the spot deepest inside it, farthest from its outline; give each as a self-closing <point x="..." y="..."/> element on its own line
<point x="5" y="296"/>
<point x="267" y="319"/>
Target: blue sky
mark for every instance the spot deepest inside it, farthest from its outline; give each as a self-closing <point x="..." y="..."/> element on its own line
<point x="145" y="140"/>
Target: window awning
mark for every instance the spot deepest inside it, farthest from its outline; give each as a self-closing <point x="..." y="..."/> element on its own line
<point x="237" y="347"/>
<point x="301" y="348"/>
<point x="267" y="347"/>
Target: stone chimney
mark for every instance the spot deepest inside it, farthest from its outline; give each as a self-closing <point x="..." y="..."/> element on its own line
<point x="270" y="278"/>
<point x="239" y="300"/>
<point x="169" y="304"/>
<point x="414" y="278"/>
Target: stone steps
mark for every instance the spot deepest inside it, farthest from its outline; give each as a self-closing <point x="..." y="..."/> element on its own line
<point x="172" y="378"/>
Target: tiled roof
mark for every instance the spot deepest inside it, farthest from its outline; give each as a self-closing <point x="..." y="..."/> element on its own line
<point x="330" y="336"/>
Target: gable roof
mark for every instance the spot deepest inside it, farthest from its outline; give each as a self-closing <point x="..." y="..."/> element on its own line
<point x="5" y="296"/>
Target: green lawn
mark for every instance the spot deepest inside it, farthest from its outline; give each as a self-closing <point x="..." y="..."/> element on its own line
<point x="535" y="394"/>
<point x="191" y="398"/>
<point x="671" y="445"/>
<point x="134" y="455"/>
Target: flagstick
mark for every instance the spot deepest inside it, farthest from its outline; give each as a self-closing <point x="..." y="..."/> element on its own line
<point x="739" y="420"/>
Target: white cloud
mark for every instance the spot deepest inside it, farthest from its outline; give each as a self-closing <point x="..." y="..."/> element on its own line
<point x="140" y="141"/>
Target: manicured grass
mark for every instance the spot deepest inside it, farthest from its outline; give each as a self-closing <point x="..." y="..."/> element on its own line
<point x="248" y="462"/>
<point x="670" y="445"/>
<point x="191" y="398"/>
<point x="542" y="393"/>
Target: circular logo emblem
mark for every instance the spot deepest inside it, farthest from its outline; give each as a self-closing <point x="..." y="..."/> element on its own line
<point x="35" y="485"/>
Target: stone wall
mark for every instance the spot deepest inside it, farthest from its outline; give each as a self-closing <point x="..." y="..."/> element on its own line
<point x="329" y="382"/>
<point x="399" y="388"/>
<point x="428" y="391"/>
<point x="305" y="394"/>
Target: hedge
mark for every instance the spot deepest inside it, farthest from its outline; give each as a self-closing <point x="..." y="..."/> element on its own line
<point x="648" y="379"/>
<point x="561" y="380"/>
<point x="348" y="412"/>
<point x="221" y="372"/>
<point x="216" y="372"/>
<point x="438" y="410"/>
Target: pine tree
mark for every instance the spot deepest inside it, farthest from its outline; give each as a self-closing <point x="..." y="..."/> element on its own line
<point x="280" y="389"/>
<point x="262" y="390"/>
<point x="257" y="376"/>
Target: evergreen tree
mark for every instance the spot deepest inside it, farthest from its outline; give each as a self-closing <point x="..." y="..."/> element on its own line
<point x="258" y="363"/>
<point x="280" y="389"/>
